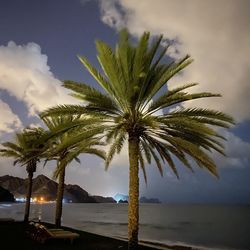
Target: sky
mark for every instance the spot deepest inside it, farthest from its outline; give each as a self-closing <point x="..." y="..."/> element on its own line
<point x="39" y="44"/>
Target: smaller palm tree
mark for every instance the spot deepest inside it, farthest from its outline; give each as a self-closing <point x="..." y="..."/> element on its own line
<point x="66" y="147"/>
<point x="25" y="150"/>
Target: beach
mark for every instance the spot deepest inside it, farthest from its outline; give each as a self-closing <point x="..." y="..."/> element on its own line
<point x="14" y="234"/>
<point x="161" y="225"/>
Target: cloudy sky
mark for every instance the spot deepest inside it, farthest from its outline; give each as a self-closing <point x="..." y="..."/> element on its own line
<point x="39" y="44"/>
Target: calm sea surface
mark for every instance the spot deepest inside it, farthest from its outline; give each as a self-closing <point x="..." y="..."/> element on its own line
<point x="211" y="227"/>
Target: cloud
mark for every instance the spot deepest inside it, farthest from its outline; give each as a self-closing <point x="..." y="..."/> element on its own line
<point x="9" y="121"/>
<point x="216" y="36"/>
<point x="237" y="152"/>
<point x="25" y="74"/>
<point x="111" y="14"/>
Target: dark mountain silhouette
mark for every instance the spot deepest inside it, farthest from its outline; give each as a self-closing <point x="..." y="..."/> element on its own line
<point x="122" y="201"/>
<point x="5" y="195"/>
<point x="74" y="193"/>
<point x="11" y="183"/>
<point x="47" y="188"/>
<point x="44" y="187"/>
<point x="101" y="199"/>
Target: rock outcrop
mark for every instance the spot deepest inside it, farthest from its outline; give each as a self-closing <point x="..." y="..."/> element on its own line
<point x="5" y="195"/>
<point x="122" y="198"/>
<point x="101" y="199"/>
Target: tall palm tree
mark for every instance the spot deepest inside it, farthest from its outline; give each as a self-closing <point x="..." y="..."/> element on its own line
<point x="133" y="81"/>
<point x="67" y="146"/>
<point x="26" y="151"/>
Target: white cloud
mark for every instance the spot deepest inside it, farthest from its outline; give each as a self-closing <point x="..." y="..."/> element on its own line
<point x="9" y="121"/>
<point x="237" y="152"/>
<point x="25" y="74"/>
<point x="215" y="34"/>
<point x="110" y="13"/>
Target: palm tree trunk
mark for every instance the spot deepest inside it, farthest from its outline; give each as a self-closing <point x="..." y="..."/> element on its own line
<point x="133" y="206"/>
<point x="28" y="197"/>
<point x="59" y="197"/>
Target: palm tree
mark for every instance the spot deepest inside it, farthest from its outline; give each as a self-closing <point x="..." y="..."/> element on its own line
<point x="133" y="81"/>
<point x="26" y="151"/>
<point x="67" y="146"/>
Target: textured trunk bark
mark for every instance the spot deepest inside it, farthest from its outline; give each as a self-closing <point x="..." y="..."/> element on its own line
<point x="133" y="206"/>
<point x="59" y="198"/>
<point x="28" y="197"/>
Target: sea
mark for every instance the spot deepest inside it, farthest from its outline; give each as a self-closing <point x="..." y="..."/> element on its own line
<point x="199" y="226"/>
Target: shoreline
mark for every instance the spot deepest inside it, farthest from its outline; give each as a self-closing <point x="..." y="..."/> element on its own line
<point x="10" y="228"/>
<point x="168" y="246"/>
<point x="149" y="244"/>
<point x="182" y="232"/>
<point x="14" y="235"/>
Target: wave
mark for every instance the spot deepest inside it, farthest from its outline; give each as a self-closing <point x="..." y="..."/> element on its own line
<point x="167" y="245"/>
<point x="178" y="227"/>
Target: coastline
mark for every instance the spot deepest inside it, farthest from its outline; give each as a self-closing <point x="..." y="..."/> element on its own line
<point x="13" y="235"/>
<point x="170" y="245"/>
<point x="184" y="227"/>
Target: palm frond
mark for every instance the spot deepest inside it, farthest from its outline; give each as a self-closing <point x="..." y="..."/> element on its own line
<point x="176" y="98"/>
<point x="12" y="146"/>
<point x="115" y="147"/>
<point x="196" y="153"/>
<point x="157" y="160"/>
<point x="61" y="110"/>
<point x="205" y="115"/>
<point x="132" y="78"/>
<point x="142" y="166"/>
<point x="92" y="96"/>
<point x="111" y="69"/>
<point x="94" y="151"/>
<point x="125" y="55"/>
<point x="146" y="151"/>
<point x="9" y="153"/>
<point x="97" y="76"/>
<point x="170" y="71"/>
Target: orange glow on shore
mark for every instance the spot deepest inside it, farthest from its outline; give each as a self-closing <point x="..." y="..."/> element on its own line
<point x="38" y="199"/>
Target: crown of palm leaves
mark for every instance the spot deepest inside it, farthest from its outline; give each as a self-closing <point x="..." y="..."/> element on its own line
<point x="133" y="79"/>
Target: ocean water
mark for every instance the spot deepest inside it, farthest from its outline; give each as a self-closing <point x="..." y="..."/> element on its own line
<point x="203" y="226"/>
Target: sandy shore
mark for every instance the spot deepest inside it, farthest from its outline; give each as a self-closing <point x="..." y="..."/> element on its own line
<point x="13" y="235"/>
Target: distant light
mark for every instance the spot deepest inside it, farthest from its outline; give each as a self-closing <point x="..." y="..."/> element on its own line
<point x="20" y="199"/>
<point x="41" y="199"/>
